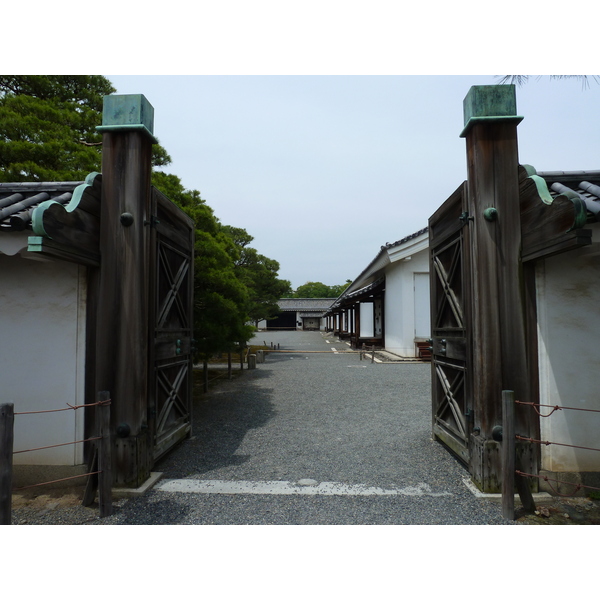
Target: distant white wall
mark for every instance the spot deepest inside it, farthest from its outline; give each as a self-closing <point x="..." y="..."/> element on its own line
<point x="568" y="299"/>
<point x="42" y="355"/>
<point x="366" y="319"/>
<point x="407" y="303"/>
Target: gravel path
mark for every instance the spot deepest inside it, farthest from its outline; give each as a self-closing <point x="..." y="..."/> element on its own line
<point x="319" y="420"/>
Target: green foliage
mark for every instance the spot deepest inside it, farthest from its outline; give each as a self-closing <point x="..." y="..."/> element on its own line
<point x="48" y="127"/>
<point x="233" y="283"/>
<point x="259" y="274"/>
<point x="316" y="289"/>
<point x="521" y="80"/>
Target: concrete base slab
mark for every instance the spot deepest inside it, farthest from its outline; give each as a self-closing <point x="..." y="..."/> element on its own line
<point x="132" y="492"/>
<point x="539" y="498"/>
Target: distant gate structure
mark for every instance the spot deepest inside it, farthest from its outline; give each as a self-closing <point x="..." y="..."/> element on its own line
<point x="305" y="314"/>
<point x="104" y="269"/>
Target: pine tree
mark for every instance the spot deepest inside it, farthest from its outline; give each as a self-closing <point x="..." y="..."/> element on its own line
<point x="48" y="127"/>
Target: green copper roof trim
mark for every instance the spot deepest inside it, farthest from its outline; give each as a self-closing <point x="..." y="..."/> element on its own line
<point x="489" y="103"/>
<point x="127" y="112"/>
<point x="134" y="127"/>
<point x="580" y="213"/>
<point x="474" y="120"/>
<point x="37" y="217"/>
<point x="35" y="243"/>
<point x="540" y="184"/>
<point x="579" y="205"/>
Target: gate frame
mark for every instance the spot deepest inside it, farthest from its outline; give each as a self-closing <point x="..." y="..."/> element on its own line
<point x="123" y="332"/>
<point x="497" y="327"/>
<point x="173" y="229"/>
<point x="444" y="225"/>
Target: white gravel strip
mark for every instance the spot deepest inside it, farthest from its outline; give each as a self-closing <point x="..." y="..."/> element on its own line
<point x="286" y="488"/>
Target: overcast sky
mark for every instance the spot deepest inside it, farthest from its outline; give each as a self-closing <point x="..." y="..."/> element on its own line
<point x="324" y="170"/>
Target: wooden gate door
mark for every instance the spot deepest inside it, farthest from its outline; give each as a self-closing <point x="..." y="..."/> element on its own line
<point x="171" y="324"/>
<point x="452" y="406"/>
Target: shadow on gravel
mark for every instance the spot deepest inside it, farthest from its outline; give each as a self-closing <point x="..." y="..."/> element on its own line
<point x="221" y="419"/>
<point x="149" y="511"/>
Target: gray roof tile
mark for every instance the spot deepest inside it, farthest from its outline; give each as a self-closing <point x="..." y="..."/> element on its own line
<point x="18" y="201"/>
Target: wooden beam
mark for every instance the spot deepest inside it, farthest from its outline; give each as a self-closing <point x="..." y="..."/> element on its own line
<point x="47" y="247"/>
<point x="549" y="225"/>
<point x="75" y="224"/>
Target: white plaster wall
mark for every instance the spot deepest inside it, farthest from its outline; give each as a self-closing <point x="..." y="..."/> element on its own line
<point x="394" y="307"/>
<point x="366" y="319"/>
<point x="42" y="355"/>
<point x="422" y="306"/>
<point x="401" y="312"/>
<point x="568" y="297"/>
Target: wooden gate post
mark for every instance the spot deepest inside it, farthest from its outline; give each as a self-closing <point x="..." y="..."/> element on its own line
<point x="500" y="360"/>
<point x="7" y="412"/>
<point x="122" y="319"/>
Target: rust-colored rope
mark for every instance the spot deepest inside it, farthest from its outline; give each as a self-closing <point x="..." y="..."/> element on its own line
<point x="57" y="480"/>
<point x="546" y="443"/>
<point x="71" y="407"/>
<point x="553" y="407"/>
<point x="57" y="445"/>
<point x="578" y="486"/>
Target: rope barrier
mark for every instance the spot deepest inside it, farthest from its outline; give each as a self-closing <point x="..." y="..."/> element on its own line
<point x="577" y="486"/>
<point x="71" y="407"/>
<point x="100" y="460"/>
<point x="554" y="408"/>
<point x="524" y="439"/>
<point x="57" y="445"/>
<point x="58" y="480"/>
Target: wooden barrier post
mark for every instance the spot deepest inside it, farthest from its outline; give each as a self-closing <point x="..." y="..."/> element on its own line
<point x="7" y="418"/>
<point x="508" y="454"/>
<point x="104" y="457"/>
<point x="229" y="375"/>
<point x="205" y="376"/>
